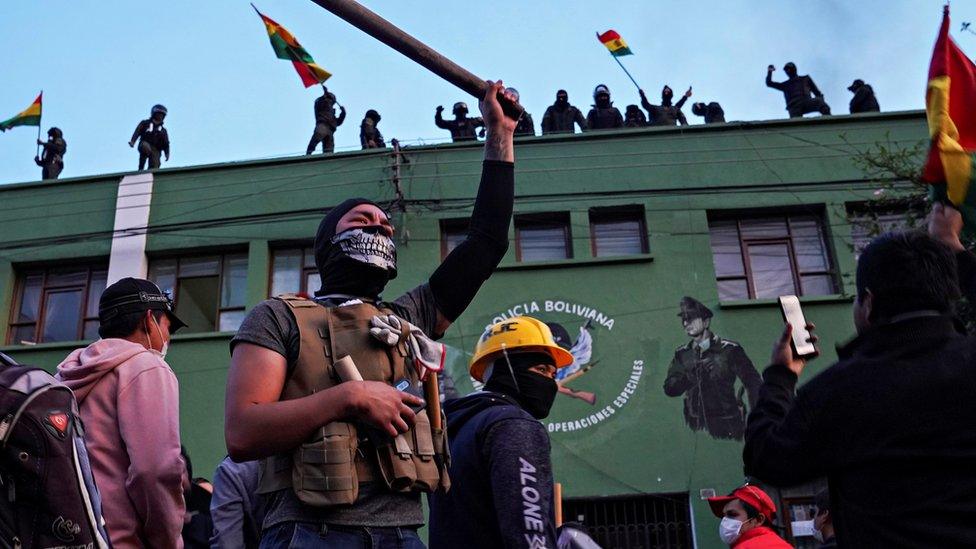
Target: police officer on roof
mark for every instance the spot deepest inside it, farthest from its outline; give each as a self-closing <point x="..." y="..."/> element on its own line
<point x="326" y="122"/>
<point x="665" y="114"/>
<point x="461" y="128"/>
<point x="561" y="117"/>
<point x="704" y="371"/>
<point x="285" y="408"/>
<point x="369" y="131"/>
<point x="801" y="94"/>
<point x="51" y="160"/>
<point x="603" y="115"/>
<point x="500" y="454"/>
<point x="153" y="138"/>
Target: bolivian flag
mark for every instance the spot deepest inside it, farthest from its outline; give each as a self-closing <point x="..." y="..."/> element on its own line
<point x="31" y="116"/>
<point x="287" y="47"/>
<point x="614" y="43"/>
<point x="950" y="104"/>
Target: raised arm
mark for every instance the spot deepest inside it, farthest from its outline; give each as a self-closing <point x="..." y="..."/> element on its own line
<point x="769" y="79"/>
<point x="439" y="120"/>
<point x="945" y="225"/>
<point x="457" y="280"/>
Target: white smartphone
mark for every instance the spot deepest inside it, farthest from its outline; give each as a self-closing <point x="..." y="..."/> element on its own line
<point x="793" y="314"/>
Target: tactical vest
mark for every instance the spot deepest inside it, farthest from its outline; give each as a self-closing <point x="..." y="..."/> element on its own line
<point x="326" y="470"/>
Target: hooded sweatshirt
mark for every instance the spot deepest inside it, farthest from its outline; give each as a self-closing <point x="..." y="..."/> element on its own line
<point x="129" y="401"/>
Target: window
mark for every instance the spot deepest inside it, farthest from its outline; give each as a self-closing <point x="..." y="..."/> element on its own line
<point x="210" y="291"/>
<point x="632" y="522"/>
<point x="761" y="257"/>
<point x="542" y="237"/>
<point x="618" y="231"/>
<point x="453" y="231"/>
<point x="293" y="271"/>
<point x="868" y="221"/>
<point x="57" y="304"/>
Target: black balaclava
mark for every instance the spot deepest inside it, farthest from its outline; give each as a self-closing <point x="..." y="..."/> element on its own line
<point x="343" y="260"/>
<point x="603" y="100"/>
<point x="666" y="95"/>
<point x="790" y="69"/>
<point x="534" y="393"/>
<point x="562" y="100"/>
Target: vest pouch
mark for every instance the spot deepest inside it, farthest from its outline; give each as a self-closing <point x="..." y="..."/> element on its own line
<point x="443" y="454"/>
<point x="395" y="457"/>
<point x="324" y="469"/>
<point x="424" y="453"/>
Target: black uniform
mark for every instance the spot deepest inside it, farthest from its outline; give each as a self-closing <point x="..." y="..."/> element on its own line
<point x="863" y="100"/>
<point x="462" y="129"/>
<point x="634" y="117"/>
<point x="604" y="117"/>
<point x="801" y="94"/>
<point x="525" y="126"/>
<point x="325" y="123"/>
<point x="369" y="132"/>
<point x="665" y="114"/>
<point x="707" y="379"/>
<point x="51" y="160"/>
<point x="712" y="112"/>
<point x="153" y="141"/>
<point x="560" y="118"/>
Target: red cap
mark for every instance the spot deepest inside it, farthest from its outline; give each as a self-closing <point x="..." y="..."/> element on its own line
<point x="749" y="494"/>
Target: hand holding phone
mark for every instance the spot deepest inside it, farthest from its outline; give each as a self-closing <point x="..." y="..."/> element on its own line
<point x="797" y="344"/>
<point x="801" y="342"/>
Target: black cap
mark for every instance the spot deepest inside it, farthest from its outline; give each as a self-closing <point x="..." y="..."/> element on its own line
<point x="131" y="295"/>
<point x="692" y="308"/>
<point x="855" y="85"/>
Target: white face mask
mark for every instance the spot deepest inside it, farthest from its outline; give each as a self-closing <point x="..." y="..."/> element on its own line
<point x="165" y="349"/>
<point x="729" y="529"/>
<point x="818" y="535"/>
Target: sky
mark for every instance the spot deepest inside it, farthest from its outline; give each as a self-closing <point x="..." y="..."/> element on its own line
<point x="103" y="63"/>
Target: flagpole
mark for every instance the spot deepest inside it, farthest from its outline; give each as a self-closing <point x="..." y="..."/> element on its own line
<point x="39" y="124"/>
<point x="621" y="65"/>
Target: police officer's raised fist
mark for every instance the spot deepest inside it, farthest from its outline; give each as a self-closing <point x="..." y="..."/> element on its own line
<point x="440" y="108"/>
<point x="770" y="68"/>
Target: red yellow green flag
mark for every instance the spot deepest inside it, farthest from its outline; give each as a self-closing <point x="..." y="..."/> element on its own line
<point x="950" y="104"/>
<point x="31" y="116"/>
<point x="287" y="47"/>
<point x="614" y="43"/>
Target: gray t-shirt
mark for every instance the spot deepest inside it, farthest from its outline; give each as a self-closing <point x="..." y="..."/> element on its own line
<point x="271" y="325"/>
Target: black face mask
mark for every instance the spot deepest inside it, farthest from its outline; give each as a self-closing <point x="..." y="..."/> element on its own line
<point x="358" y="266"/>
<point x="534" y="393"/>
<point x="562" y="102"/>
<point x="603" y="101"/>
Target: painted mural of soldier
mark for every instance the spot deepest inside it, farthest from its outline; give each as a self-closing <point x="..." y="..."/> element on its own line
<point x="705" y="370"/>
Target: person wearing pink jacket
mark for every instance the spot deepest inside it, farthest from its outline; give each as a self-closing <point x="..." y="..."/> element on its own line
<point x="129" y="401"/>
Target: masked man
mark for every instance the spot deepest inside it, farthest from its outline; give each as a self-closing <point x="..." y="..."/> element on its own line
<point x="282" y="407"/>
<point x="369" y="131"/>
<point x="634" y="117"/>
<point x="51" y="160"/>
<point x="603" y="115"/>
<point x="501" y="465"/>
<point x="864" y="99"/>
<point x="326" y="122"/>
<point x="560" y="117"/>
<point x="711" y="112"/>
<point x="705" y="370"/>
<point x="462" y="128"/>
<point x="666" y="114"/>
<point x="801" y="94"/>
<point x="153" y="138"/>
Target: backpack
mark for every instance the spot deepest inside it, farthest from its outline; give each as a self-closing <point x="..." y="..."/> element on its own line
<point x="48" y="497"/>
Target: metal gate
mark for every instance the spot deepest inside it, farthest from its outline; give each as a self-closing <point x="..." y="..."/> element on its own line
<point x="646" y="521"/>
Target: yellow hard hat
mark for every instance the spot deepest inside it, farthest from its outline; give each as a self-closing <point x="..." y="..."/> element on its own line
<point x="520" y="334"/>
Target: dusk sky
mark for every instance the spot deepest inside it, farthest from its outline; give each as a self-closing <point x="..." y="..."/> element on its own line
<point x="103" y="64"/>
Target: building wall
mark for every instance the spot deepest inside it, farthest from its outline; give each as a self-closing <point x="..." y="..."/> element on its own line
<point x="640" y="442"/>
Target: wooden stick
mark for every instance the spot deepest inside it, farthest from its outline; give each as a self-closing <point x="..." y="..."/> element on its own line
<point x="557" y="500"/>
<point x="372" y="24"/>
<point x="432" y="393"/>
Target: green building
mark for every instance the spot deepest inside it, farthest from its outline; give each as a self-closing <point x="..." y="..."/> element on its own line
<point x="612" y="230"/>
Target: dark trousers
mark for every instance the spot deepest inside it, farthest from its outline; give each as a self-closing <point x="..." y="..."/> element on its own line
<point x="148" y="152"/>
<point x="322" y="134"/>
<point x="803" y="106"/>
<point x="305" y="535"/>
<point x="52" y="170"/>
